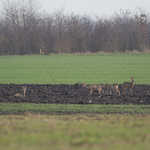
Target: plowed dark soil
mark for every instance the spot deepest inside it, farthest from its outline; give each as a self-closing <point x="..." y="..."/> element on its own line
<point x="71" y="94"/>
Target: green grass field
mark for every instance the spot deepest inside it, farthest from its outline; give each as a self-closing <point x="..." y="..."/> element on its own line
<point x="97" y="127"/>
<point x="70" y="69"/>
<point x="60" y="109"/>
<point x="75" y="132"/>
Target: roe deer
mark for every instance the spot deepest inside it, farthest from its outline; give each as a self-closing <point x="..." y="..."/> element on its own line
<point x="129" y="85"/>
<point x="23" y="92"/>
<point x="113" y="87"/>
<point x="94" y="87"/>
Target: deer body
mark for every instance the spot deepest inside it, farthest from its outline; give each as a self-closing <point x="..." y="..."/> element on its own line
<point x="129" y="85"/>
<point x="113" y="87"/>
<point x="93" y="87"/>
<point x="23" y="92"/>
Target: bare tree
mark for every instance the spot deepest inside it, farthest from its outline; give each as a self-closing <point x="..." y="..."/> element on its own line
<point x="23" y="30"/>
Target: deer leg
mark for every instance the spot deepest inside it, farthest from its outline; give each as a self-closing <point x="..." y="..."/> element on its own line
<point x="91" y="91"/>
<point x="103" y="91"/>
<point x="131" y="91"/>
<point x="114" y="91"/>
<point x="118" y="91"/>
<point x="110" y="92"/>
<point x="99" y="90"/>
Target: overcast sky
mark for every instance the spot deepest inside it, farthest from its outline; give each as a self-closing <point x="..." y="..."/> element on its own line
<point x="92" y="7"/>
<point x="98" y="7"/>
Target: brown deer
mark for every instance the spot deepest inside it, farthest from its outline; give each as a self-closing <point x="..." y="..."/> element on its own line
<point x="23" y="92"/>
<point x="112" y="87"/>
<point x="93" y="87"/>
<point x="129" y="85"/>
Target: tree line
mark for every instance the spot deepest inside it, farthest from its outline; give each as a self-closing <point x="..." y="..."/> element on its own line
<point x="24" y="30"/>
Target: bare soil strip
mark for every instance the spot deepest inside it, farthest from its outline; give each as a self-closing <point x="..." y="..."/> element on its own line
<point x="71" y="94"/>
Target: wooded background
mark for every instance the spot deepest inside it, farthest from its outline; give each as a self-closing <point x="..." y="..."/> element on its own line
<point x="25" y="30"/>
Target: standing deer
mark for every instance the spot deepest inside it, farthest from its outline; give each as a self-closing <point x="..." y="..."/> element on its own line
<point x="94" y="87"/>
<point x="129" y="85"/>
<point x="23" y="92"/>
<point x="112" y="87"/>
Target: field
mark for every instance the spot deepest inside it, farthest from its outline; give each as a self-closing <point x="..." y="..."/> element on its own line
<point x="57" y="115"/>
<point x="59" y="109"/>
<point x="72" y="69"/>
<point x="82" y="132"/>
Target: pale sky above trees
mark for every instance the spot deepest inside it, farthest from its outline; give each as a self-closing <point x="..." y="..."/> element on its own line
<point x="93" y="7"/>
<point x="96" y="7"/>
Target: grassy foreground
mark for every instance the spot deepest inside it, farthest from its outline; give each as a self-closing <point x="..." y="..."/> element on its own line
<point x="82" y="132"/>
<point x="49" y="109"/>
<point x="127" y="128"/>
<point x="70" y="69"/>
